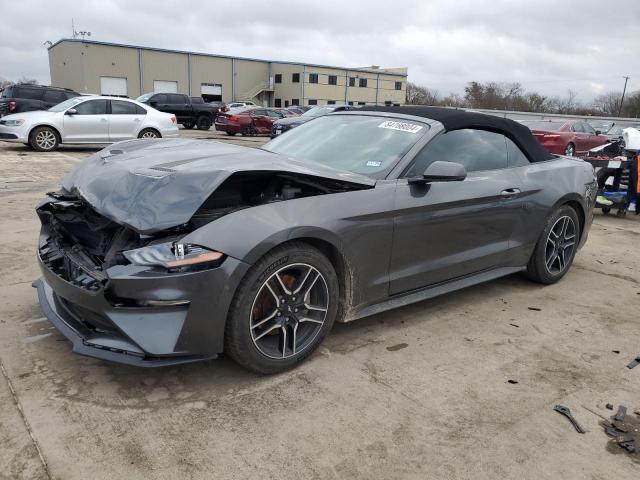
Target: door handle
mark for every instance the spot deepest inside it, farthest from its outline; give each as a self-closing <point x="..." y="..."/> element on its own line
<point x="136" y="119"/>
<point x="103" y="119"/>
<point x="510" y="192"/>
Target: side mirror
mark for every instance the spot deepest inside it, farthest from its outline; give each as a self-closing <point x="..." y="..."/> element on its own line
<point x="441" y="172"/>
<point x="71" y="111"/>
<point x="598" y="132"/>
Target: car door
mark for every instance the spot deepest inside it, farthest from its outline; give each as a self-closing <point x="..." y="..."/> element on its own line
<point x="86" y="122"/>
<point x="581" y="139"/>
<point x="125" y="120"/>
<point x="593" y="140"/>
<point x="260" y="120"/>
<point x="447" y="230"/>
<point x="179" y="105"/>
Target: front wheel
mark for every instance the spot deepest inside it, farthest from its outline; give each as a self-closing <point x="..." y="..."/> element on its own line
<point x="283" y="309"/>
<point x="44" y="139"/>
<point x="556" y="248"/>
<point x="203" y="122"/>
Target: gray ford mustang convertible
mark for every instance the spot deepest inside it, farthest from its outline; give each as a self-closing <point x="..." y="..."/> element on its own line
<point x="159" y="252"/>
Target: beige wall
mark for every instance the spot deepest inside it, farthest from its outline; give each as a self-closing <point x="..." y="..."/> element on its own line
<point x="211" y="70"/>
<point x="79" y="66"/>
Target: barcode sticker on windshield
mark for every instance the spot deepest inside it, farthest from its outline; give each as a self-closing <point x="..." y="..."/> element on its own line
<point x="402" y="126"/>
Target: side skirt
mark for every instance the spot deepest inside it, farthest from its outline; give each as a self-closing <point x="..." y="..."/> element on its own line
<point x="430" y="292"/>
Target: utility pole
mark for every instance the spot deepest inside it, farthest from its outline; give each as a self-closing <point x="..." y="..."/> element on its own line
<point x="626" y="79"/>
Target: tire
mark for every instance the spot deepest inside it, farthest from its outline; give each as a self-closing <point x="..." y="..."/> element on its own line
<point x="570" y="150"/>
<point x="265" y="321"/>
<point x="189" y="126"/>
<point x="149" y="133"/>
<point x="606" y="210"/>
<point x="231" y="134"/>
<point x="543" y="267"/>
<point x="249" y="131"/>
<point x="203" y="122"/>
<point x="44" y="139"/>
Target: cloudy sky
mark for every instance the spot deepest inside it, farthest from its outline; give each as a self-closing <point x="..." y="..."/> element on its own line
<point x="548" y="45"/>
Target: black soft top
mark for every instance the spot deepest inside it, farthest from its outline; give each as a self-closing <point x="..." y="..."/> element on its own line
<point x="456" y="119"/>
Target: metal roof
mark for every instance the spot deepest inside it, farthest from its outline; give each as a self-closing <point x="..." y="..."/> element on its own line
<point x="185" y="52"/>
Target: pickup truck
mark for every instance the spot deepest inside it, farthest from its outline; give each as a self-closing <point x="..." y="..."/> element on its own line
<point x="190" y="113"/>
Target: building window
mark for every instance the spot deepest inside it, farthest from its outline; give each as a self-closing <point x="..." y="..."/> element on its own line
<point x="295" y="78"/>
<point x="363" y="82"/>
<point x="350" y="103"/>
<point x="295" y="101"/>
<point x="313" y="102"/>
<point x="331" y="102"/>
<point x="352" y="81"/>
<point x="277" y="103"/>
<point x="286" y="103"/>
<point x="333" y="79"/>
<point x="398" y="85"/>
<point x="362" y="103"/>
<point x="313" y="78"/>
<point x="278" y="78"/>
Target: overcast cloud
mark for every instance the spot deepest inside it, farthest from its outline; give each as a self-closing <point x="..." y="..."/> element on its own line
<point x="547" y="45"/>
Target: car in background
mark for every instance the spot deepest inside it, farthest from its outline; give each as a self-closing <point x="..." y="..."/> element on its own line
<point x="248" y="122"/>
<point x="26" y="98"/>
<point x="239" y="105"/>
<point x="564" y="137"/>
<point x="285" y="124"/>
<point x="189" y="112"/>
<point x="287" y="112"/>
<point x="298" y="109"/>
<point x="87" y="119"/>
<point x="615" y="132"/>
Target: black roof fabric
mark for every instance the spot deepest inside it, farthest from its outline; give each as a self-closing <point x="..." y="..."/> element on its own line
<point x="455" y="119"/>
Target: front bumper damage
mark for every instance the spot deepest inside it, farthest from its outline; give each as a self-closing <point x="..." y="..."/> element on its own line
<point x="102" y="318"/>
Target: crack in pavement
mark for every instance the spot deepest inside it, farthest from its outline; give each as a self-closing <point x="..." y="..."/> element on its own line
<point x="16" y="401"/>
<point x="614" y="275"/>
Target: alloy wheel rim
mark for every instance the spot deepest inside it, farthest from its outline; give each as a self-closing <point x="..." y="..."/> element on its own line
<point x="569" y="150"/>
<point x="560" y="245"/>
<point x="289" y="311"/>
<point x="46" y="140"/>
<point x="149" y="135"/>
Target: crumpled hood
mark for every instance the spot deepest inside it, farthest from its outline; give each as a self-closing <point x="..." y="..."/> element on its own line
<point x="151" y="185"/>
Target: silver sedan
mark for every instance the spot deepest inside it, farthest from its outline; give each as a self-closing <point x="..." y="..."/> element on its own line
<point x="87" y="119"/>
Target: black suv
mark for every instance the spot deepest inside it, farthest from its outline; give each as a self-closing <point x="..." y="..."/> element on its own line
<point x="27" y="97"/>
<point x="190" y="111"/>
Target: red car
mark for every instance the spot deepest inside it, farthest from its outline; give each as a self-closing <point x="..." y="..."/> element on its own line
<point x="566" y="137"/>
<point x="253" y="121"/>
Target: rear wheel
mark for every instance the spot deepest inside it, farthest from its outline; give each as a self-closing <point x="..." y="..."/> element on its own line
<point x="231" y="134"/>
<point x="149" y="133"/>
<point x="570" y="150"/>
<point x="249" y="131"/>
<point x="556" y="248"/>
<point x="189" y="126"/>
<point x="44" y="139"/>
<point x="203" y="122"/>
<point x="283" y="309"/>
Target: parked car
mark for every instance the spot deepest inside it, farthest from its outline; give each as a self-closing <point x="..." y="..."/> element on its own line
<point x="248" y="122"/>
<point x="566" y="137"/>
<point x="26" y="98"/>
<point x="188" y="112"/>
<point x="615" y="132"/>
<point x="87" y="119"/>
<point x="285" y="124"/>
<point x="239" y="105"/>
<point x="287" y="112"/>
<point x="193" y="248"/>
<point x="297" y="109"/>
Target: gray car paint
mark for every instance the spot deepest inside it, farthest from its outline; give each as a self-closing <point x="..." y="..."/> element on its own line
<point x="385" y="234"/>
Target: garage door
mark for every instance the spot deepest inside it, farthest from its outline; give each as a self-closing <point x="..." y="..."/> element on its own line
<point x="113" y="86"/>
<point x="211" y="92"/>
<point x="165" y="86"/>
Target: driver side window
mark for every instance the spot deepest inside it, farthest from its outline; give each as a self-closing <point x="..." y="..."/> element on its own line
<point x="475" y="149"/>
<point x="92" y="107"/>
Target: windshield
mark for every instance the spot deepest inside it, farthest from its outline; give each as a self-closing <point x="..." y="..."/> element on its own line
<point x="542" y="125"/>
<point x="145" y="97"/>
<point x="318" y="111"/>
<point x="61" y="107"/>
<point x="361" y="144"/>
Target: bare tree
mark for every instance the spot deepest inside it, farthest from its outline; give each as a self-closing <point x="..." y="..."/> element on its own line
<point x="608" y="103"/>
<point x="419" y="95"/>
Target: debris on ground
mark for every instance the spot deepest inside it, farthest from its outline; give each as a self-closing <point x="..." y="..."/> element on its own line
<point x="615" y="351"/>
<point x="624" y="431"/>
<point x="514" y="325"/>
<point x="609" y="406"/>
<point x="634" y="363"/>
<point x="399" y="346"/>
<point x="512" y="382"/>
<point x="535" y="309"/>
<point x="561" y="409"/>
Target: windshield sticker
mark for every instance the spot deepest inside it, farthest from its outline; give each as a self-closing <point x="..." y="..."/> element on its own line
<point x="402" y="126"/>
<point x="371" y="163"/>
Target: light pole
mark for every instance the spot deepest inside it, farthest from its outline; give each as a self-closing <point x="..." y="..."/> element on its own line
<point x="626" y="79"/>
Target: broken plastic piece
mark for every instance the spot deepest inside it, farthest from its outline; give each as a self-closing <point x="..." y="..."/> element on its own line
<point x="622" y="412"/>
<point x="634" y="363"/>
<point x="628" y="445"/>
<point x="609" y="406"/>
